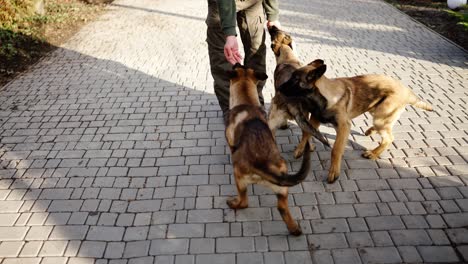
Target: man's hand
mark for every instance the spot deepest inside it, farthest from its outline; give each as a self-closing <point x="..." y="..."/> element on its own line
<point x="231" y="50"/>
<point x="274" y="23"/>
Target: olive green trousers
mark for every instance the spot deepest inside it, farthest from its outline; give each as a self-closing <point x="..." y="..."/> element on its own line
<point x="250" y="21"/>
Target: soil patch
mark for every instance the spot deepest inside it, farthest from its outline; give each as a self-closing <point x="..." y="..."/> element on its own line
<point x="31" y="38"/>
<point x="435" y="15"/>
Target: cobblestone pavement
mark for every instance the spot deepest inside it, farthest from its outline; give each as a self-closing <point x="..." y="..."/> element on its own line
<point x="113" y="152"/>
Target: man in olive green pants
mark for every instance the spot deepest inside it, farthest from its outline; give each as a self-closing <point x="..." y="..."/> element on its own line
<point x="222" y="42"/>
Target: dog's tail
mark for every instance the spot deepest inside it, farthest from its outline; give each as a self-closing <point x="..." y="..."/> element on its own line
<point x="423" y="105"/>
<point x="416" y="102"/>
<point x="287" y="180"/>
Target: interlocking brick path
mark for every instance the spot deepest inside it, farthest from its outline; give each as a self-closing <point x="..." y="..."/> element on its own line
<point x="113" y="149"/>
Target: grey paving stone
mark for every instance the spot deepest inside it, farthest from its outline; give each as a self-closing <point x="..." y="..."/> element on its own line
<point x="216" y="258"/>
<point x="298" y="257"/>
<point x="359" y="239"/>
<point x="366" y="209"/>
<point x="329" y="225"/>
<point x="456" y="220"/>
<point x="53" y="248"/>
<point x="357" y="224"/>
<point x="217" y="229"/>
<point x="250" y="258"/>
<point x="251" y="229"/>
<point x="105" y="233"/>
<point x="186" y="230"/>
<point x="444" y="254"/>
<point x="141" y="260"/>
<point x="273" y="257"/>
<point x="38" y="233"/>
<point x="10" y="248"/>
<point x="414" y="221"/>
<point x="416" y="237"/>
<point x="327" y="241"/>
<point x="114" y="250"/>
<point x="235" y="244"/>
<point x="380" y="255"/>
<point x="144" y="206"/>
<point x="10" y="206"/>
<point x="278" y="243"/>
<point x="382" y="238"/>
<point x="68" y="232"/>
<point x="438" y="237"/>
<point x="22" y="260"/>
<point x="205" y="216"/>
<point x="458" y="235"/>
<point x="384" y="223"/>
<point x="409" y="254"/>
<point x="463" y="250"/>
<point x="185" y="259"/>
<point x="274" y="228"/>
<point x="169" y="246"/>
<point x="337" y="211"/>
<point x="346" y="256"/>
<point x="136" y="233"/>
<point x="136" y="249"/>
<point x="12" y="233"/>
<point x="202" y="246"/>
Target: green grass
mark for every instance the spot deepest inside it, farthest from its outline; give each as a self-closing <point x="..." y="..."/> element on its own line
<point x="461" y="15"/>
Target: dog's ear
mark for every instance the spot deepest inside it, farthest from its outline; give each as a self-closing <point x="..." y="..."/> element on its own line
<point x="261" y="76"/>
<point x="290" y="88"/>
<point x="317" y="62"/>
<point x="237" y="65"/>
<point x="273" y="30"/>
<point x="316" y="73"/>
<point x="291" y="45"/>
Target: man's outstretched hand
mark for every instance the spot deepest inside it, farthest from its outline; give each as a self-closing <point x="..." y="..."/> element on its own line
<point x="231" y="50"/>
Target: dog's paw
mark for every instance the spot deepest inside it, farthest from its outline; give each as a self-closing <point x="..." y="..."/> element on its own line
<point x="332" y="176"/>
<point x="235" y="203"/>
<point x="297" y="231"/>
<point x="368" y="154"/>
<point x="370" y="131"/>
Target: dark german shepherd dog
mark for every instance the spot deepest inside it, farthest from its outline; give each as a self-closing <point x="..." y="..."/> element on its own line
<point x="255" y="156"/>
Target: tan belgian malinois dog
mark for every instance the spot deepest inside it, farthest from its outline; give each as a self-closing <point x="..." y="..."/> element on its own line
<point x="338" y="101"/>
<point x="255" y="156"/>
<point x="281" y="109"/>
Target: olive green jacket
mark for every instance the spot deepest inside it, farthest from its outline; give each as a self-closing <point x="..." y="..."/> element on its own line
<point x="227" y="13"/>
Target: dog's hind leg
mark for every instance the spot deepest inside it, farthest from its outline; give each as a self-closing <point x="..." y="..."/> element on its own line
<point x="241" y="200"/>
<point x="305" y="139"/>
<point x="387" y="139"/>
<point x="293" y="226"/>
<point x="383" y="124"/>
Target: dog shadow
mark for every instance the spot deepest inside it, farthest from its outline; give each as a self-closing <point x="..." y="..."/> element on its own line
<point x="288" y="140"/>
